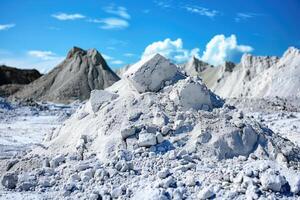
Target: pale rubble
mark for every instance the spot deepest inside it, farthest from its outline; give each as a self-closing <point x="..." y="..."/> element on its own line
<point x="271" y="180"/>
<point x="205" y="193"/>
<point x="149" y="145"/>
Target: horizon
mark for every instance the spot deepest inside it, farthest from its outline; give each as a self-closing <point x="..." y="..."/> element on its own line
<point x="125" y="31"/>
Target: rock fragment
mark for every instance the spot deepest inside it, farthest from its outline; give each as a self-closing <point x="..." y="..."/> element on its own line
<point x="10" y="180"/>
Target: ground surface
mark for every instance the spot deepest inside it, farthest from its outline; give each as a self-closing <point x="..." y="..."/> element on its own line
<point x="24" y="127"/>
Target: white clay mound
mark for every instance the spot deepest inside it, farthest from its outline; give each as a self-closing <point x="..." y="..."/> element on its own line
<point x="121" y="118"/>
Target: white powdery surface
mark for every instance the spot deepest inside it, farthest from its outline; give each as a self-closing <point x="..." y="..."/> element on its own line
<point x="260" y="76"/>
<point x="23" y="127"/>
<point x="174" y="143"/>
<point x="280" y="115"/>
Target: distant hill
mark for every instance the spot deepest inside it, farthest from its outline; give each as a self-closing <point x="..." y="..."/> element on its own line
<point x="73" y="79"/>
<point x="11" y="75"/>
<point x="254" y="76"/>
<point x="13" y="79"/>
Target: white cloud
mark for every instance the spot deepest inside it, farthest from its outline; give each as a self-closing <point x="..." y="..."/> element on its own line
<point x="112" y="60"/>
<point x="171" y="49"/>
<point x="29" y="62"/>
<point x="117" y="62"/>
<point x="119" y="11"/>
<point x="6" y="26"/>
<point x="220" y="49"/>
<point x="243" y="16"/>
<point x="111" y="23"/>
<point x="247" y="16"/>
<point x="44" y="55"/>
<point x="65" y="16"/>
<point x="164" y="3"/>
<point x="107" y="57"/>
<point x="129" y="54"/>
<point x="202" y="11"/>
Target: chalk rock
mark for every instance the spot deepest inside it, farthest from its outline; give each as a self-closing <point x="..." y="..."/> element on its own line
<point x="99" y="97"/>
<point x="164" y="173"/>
<point x="10" y="180"/>
<point x="295" y="187"/>
<point x="57" y="160"/>
<point x="191" y="94"/>
<point x="206" y="193"/>
<point x="236" y="142"/>
<point x="159" y="137"/>
<point x="147" y="139"/>
<point x="272" y="181"/>
<point x="160" y="119"/>
<point x="128" y="131"/>
<point x="150" y="74"/>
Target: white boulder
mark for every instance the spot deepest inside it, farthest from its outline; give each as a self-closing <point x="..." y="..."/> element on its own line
<point x="128" y="131"/>
<point x="99" y="97"/>
<point x="272" y="181"/>
<point x="147" y="139"/>
<point x="10" y="180"/>
<point x="149" y="75"/>
<point x="191" y="94"/>
<point x="206" y="193"/>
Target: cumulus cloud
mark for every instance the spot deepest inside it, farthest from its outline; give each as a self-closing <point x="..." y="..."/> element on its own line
<point x="117" y="10"/>
<point x="171" y="49"/>
<point x="65" y="16"/>
<point x="220" y="49"/>
<point x="202" y="11"/>
<point x="6" y="26"/>
<point x="111" y="23"/>
<point x="44" y="55"/>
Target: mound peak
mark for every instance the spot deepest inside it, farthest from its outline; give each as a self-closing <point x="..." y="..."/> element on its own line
<point x="75" y="50"/>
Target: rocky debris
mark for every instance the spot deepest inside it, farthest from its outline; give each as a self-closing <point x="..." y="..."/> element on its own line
<point x="229" y="66"/>
<point x="151" y="74"/>
<point x="4" y="105"/>
<point x="164" y="173"/>
<point x="205" y="193"/>
<point x="10" y="180"/>
<point x="73" y="79"/>
<point x="151" y="146"/>
<point x="272" y="181"/>
<point x="160" y="128"/>
<point x="147" y="139"/>
<point x="10" y="89"/>
<point x="57" y="160"/>
<point x="128" y="131"/>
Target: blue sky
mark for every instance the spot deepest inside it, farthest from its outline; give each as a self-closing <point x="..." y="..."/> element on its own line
<point x="39" y="33"/>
